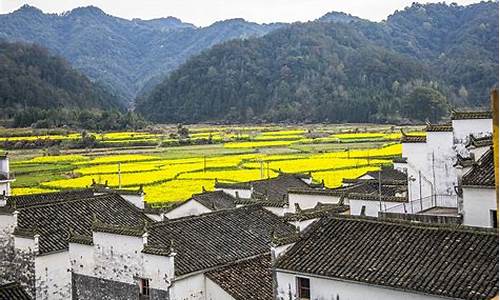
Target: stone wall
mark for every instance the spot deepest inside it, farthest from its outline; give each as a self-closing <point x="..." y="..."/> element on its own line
<point x="90" y="288"/>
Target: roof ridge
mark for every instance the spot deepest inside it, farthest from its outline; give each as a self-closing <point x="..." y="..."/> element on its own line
<point x="61" y="201"/>
<point x="205" y="215"/>
<point x="413" y="224"/>
<point x="50" y="193"/>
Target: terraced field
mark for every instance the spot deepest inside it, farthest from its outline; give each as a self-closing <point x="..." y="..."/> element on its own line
<point x="235" y="154"/>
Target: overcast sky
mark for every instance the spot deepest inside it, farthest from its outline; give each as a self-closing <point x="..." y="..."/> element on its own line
<point x="205" y="12"/>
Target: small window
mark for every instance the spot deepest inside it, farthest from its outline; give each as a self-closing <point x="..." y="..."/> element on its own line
<point x="303" y="288"/>
<point x="493" y="217"/>
<point x="143" y="288"/>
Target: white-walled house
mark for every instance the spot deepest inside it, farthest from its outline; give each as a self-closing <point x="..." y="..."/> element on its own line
<point x="42" y="224"/>
<point x="172" y="259"/>
<point x="359" y="258"/>
<point x="201" y="203"/>
<point x="465" y="123"/>
<point x="479" y="194"/>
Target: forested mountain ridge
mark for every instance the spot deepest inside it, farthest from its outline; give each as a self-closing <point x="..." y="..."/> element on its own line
<point x="123" y="54"/>
<point x="426" y="57"/>
<point x="30" y="77"/>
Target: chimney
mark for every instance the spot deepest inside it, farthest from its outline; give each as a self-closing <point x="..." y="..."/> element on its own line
<point x="15" y="214"/>
<point x="145" y="236"/>
<point x="36" y="248"/>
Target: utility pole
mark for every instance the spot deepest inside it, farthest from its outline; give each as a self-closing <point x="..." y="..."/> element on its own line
<point x="379" y="191"/>
<point x="420" y="189"/>
<point x="119" y="175"/>
<point x="433" y="180"/>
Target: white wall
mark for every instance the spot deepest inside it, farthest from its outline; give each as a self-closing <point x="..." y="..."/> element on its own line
<point x="7" y="223"/>
<point x="25" y="244"/>
<point x="4" y="166"/>
<point x="53" y="276"/>
<point x="5" y="187"/>
<point x="306" y="201"/>
<point x="242" y="193"/>
<point x="215" y="292"/>
<point x="328" y="289"/>
<point x="303" y="224"/>
<point x="119" y="258"/>
<point x="477" y="203"/>
<point x="137" y="200"/>
<point x="373" y="207"/>
<point x="189" y="288"/>
<point x="441" y="171"/>
<point x="478" y="127"/>
<point x="279" y="211"/>
<point x="189" y="208"/>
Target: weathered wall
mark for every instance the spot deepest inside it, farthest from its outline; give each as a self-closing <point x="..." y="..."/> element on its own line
<point x="477" y="205"/>
<point x="189" y="288"/>
<point x="118" y="259"/>
<point x="53" y="276"/>
<point x="16" y="264"/>
<point x="326" y="289"/>
<point x="91" y="288"/>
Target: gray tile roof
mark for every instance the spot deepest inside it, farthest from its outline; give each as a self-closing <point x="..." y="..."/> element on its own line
<point x="482" y="173"/>
<point x="467" y="115"/>
<point x="271" y="190"/>
<point x="446" y="261"/>
<point x="215" y="239"/>
<point x="439" y="127"/>
<point x="13" y="291"/>
<point x="53" y="222"/>
<point x="413" y="139"/>
<point x="318" y="211"/>
<point x="246" y="280"/>
<point x="215" y="200"/>
<point x="46" y="198"/>
<point x="477" y="142"/>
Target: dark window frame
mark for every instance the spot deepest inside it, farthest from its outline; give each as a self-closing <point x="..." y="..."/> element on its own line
<point x="144" y="289"/>
<point x="304" y="288"/>
<point x="493" y="218"/>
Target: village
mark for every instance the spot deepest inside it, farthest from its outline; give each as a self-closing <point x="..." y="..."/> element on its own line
<point x="425" y="228"/>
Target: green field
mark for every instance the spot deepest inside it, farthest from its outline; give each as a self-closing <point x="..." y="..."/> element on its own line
<point x="235" y="154"/>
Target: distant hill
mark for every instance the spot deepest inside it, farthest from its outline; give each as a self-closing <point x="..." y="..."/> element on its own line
<point x="126" y="55"/>
<point x="30" y="77"/>
<point x="340" y="68"/>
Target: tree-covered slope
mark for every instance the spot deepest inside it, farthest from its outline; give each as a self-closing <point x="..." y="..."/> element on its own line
<point x="124" y="54"/>
<point x="30" y="77"/>
<point x="349" y="71"/>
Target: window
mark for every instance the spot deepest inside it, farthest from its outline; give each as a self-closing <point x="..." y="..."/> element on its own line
<point x="303" y="288"/>
<point x="493" y="217"/>
<point x="143" y="288"/>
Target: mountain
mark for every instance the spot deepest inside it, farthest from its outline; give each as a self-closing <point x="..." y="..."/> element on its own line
<point x="348" y="70"/>
<point x="30" y="77"/>
<point x="125" y="55"/>
<point x="338" y="17"/>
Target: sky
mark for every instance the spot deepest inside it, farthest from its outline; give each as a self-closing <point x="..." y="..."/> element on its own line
<point x="206" y="12"/>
